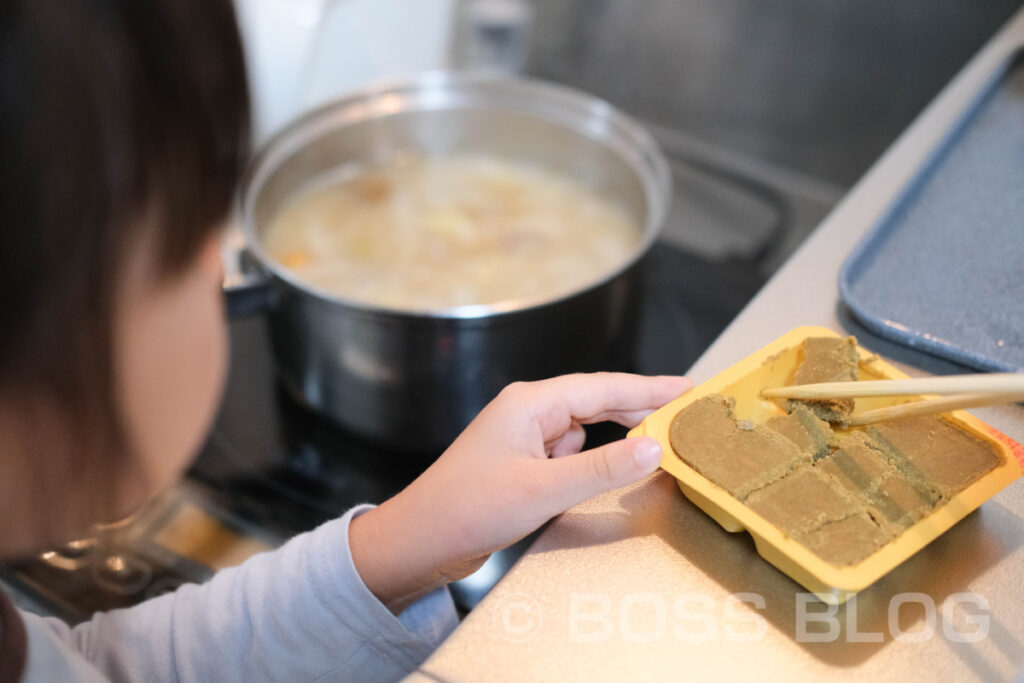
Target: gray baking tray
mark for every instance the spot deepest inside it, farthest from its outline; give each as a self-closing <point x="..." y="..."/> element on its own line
<point x="943" y="271"/>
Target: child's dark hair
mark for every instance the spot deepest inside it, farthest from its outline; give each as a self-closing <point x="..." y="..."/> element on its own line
<point x="120" y="121"/>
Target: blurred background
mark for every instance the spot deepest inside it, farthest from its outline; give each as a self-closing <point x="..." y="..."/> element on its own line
<point x="790" y="100"/>
<point x="821" y="88"/>
<point x="768" y="110"/>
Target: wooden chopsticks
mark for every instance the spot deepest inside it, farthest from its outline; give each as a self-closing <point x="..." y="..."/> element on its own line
<point x="1001" y="383"/>
<point x="930" y="406"/>
<point x="961" y="391"/>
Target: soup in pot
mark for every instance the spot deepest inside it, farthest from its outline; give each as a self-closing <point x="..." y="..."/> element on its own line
<point x="435" y="233"/>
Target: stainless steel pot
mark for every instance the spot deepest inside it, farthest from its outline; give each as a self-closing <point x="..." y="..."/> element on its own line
<point x="414" y="380"/>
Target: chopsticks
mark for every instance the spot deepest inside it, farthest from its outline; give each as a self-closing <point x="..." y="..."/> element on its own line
<point x="930" y="406"/>
<point x="962" y="391"/>
<point x="994" y="383"/>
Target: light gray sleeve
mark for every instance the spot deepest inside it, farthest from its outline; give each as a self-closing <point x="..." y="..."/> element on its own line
<point x="300" y="613"/>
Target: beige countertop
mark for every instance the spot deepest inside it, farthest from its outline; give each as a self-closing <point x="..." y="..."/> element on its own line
<point x="639" y="584"/>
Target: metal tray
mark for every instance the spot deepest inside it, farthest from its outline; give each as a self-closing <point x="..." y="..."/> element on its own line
<point x="943" y="271"/>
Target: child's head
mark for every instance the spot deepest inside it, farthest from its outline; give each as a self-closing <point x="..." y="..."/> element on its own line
<point x="124" y="126"/>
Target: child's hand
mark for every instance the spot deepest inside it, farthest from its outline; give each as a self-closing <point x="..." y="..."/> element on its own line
<point x="514" y="467"/>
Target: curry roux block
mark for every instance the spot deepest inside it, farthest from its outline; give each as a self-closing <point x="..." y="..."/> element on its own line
<point x="862" y="469"/>
<point x="846" y="541"/>
<point x="901" y="502"/>
<point x="706" y="436"/>
<point x="802" y="501"/>
<point x="934" y="453"/>
<point x="827" y="359"/>
<point x="855" y="464"/>
<point x="810" y="434"/>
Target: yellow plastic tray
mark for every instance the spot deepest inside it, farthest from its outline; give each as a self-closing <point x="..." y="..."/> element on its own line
<point x="774" y="365"/>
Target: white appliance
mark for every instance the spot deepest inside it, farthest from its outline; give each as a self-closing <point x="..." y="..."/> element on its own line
<point x="301" y="53"/>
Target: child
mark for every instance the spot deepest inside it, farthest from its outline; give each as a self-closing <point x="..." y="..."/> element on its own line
<point x="124" y="125"/>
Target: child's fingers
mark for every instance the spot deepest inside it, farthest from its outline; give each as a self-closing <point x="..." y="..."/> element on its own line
<point x="579" y="477"/>
<point x="572" y="440"/>
<point x="569" y="443"/>
<point x="594" y="397"/>
<point x="626" y="418"/>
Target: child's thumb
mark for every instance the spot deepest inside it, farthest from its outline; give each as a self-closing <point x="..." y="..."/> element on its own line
<point x="582" y="476"/>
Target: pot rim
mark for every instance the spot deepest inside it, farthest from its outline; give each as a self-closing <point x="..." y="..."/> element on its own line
<point x="632" y="143"/>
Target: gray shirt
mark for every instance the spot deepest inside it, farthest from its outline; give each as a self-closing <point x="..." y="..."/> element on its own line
<point x="299" y="613"/>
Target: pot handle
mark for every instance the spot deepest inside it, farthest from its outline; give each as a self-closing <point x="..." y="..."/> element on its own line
<point x="248" y="289"/>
